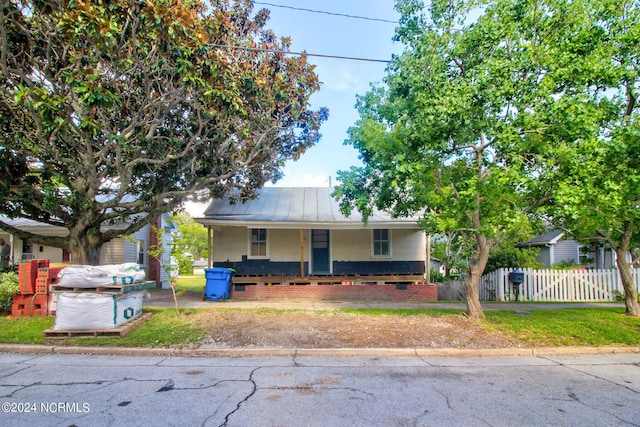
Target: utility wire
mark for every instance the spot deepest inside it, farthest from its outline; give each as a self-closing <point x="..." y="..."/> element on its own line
<point x="318" y="55"/>
<point x="327" y="13"/>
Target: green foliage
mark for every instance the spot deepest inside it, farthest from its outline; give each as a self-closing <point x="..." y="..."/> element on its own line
<point x="481" y="121"/>
<point x="508" y="256"/>
<point x="620" y="296"/>
<point x="566" y="265"/>
<point x="448" y="133"/>
<point x="9" y="286"/>
<point x="436" y="276"/>
<point x="112" y="110"/>
<point x="185" y="263"/>
<point x="593" y="120"/>
<point x="190" y="244"/>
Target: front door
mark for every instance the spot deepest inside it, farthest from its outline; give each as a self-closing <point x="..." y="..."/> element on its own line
<point x="320" y="251"/>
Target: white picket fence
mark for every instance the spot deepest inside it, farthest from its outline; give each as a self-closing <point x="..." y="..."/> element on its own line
<point x="581" y="285"/>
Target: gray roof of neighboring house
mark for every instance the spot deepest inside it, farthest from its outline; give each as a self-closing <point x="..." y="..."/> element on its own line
<point x="45" y="229"/>
<point x="549" y="238"/>
<point x="295" y="207"/>
<point x="35" y="227"/>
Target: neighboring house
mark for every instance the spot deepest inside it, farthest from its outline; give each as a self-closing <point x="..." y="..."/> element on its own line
<point x="555" y="249"/>
<point x="117" y="251"/>
<point x="198" y="267"/>
<point x="300" y="231"/>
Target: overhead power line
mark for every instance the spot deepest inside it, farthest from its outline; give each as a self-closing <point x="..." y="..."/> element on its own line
<point x="327" y="13"/>
<point x="318" y="55"/>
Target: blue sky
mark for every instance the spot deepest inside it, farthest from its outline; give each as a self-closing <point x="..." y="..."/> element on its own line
<point x="341" y="80"/>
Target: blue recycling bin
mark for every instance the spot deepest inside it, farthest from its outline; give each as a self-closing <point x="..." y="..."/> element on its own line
<point x="218" y="283"/>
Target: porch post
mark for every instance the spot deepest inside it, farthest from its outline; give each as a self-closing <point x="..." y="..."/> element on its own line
<point x="12" y="261"/>
<point x="301" y="253"/>
<point x="210" y="246"/>
<point x="428" y="266"/>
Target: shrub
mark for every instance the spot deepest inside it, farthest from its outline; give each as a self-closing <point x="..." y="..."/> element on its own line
<point x="511" y="257"/>
<point x="9" y="286"/>
<point x="436" y="277"/>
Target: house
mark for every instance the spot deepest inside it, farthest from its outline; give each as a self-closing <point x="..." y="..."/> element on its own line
<point x="117" y="251"/>
<point x="293" y="242"/>
<point x="198" y="267"/>
<point x="300" y="232"/>
<point x="556" y="249"/>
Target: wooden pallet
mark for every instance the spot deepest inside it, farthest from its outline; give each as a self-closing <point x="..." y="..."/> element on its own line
<point x="109" y="289"/>
<point x="115" y="332"/>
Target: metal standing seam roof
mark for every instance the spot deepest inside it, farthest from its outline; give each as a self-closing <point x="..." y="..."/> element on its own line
<point x="549" y="238"/>
<point x="35" y="227"/>
<point x="295" y="207"/>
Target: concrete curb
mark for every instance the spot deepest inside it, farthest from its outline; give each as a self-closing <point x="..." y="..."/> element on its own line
<point x="319" y="352"/>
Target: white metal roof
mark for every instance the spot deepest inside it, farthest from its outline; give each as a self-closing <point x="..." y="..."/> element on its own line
<point x="35" y="227"/>
<point x="295" y="207"/>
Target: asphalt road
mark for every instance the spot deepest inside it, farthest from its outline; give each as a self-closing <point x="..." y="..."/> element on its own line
<point x="312" y="390"/>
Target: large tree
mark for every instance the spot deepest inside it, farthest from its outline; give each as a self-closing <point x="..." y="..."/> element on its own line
<point x="595" y="122"/>
<point x="483" y="119"/>
<point x="447" y="133"/>
<point x="117" y="111"/>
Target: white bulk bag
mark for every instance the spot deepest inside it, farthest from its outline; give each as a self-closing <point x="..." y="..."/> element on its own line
<point x="88" y="310"/>
<point x="90" y="276"/>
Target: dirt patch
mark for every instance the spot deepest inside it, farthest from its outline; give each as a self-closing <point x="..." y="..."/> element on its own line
<point x="311" y="329"/>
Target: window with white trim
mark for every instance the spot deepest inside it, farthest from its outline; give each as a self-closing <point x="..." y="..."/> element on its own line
<point x="140" y="252"/>
<point x="258" y="243"/>
<point x="381" y="242"/>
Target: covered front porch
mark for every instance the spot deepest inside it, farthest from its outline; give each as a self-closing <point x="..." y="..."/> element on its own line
<point x="295" y="243"/>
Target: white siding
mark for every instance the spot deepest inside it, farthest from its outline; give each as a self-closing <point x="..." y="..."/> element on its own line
<point x="408" y="245"/>
<point x="131" y="248"/>
<point x="231" y="244"/>
<point x="39" y="252"/>
<point x="544" y="256"/>
<point x="284" y="245"/>
<point x="566" y="250"/>
<point x="112" y="252"/>
<point x="351" y="245"/>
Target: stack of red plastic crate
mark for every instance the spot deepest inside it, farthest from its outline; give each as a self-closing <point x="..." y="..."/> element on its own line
<point x="36" y="278"/>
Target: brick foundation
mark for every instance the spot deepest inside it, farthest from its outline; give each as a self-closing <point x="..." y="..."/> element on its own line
<point x="388" y="292"/>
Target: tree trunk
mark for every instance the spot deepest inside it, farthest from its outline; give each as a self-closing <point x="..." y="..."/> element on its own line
<point x="630" y="291"/>
<point x="83" y="250"/>
<point x="476" y="267"/>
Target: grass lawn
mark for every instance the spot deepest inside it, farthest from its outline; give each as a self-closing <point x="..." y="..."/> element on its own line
<point x="544" y="327"/>
<point x="163" y="329"/>
<point x="191" y="283"/>
<point x="566" y="327"/>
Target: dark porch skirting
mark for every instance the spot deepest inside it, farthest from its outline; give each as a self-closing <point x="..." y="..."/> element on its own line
<point x="252" y="267"/>
<point x="401" y="292"/>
